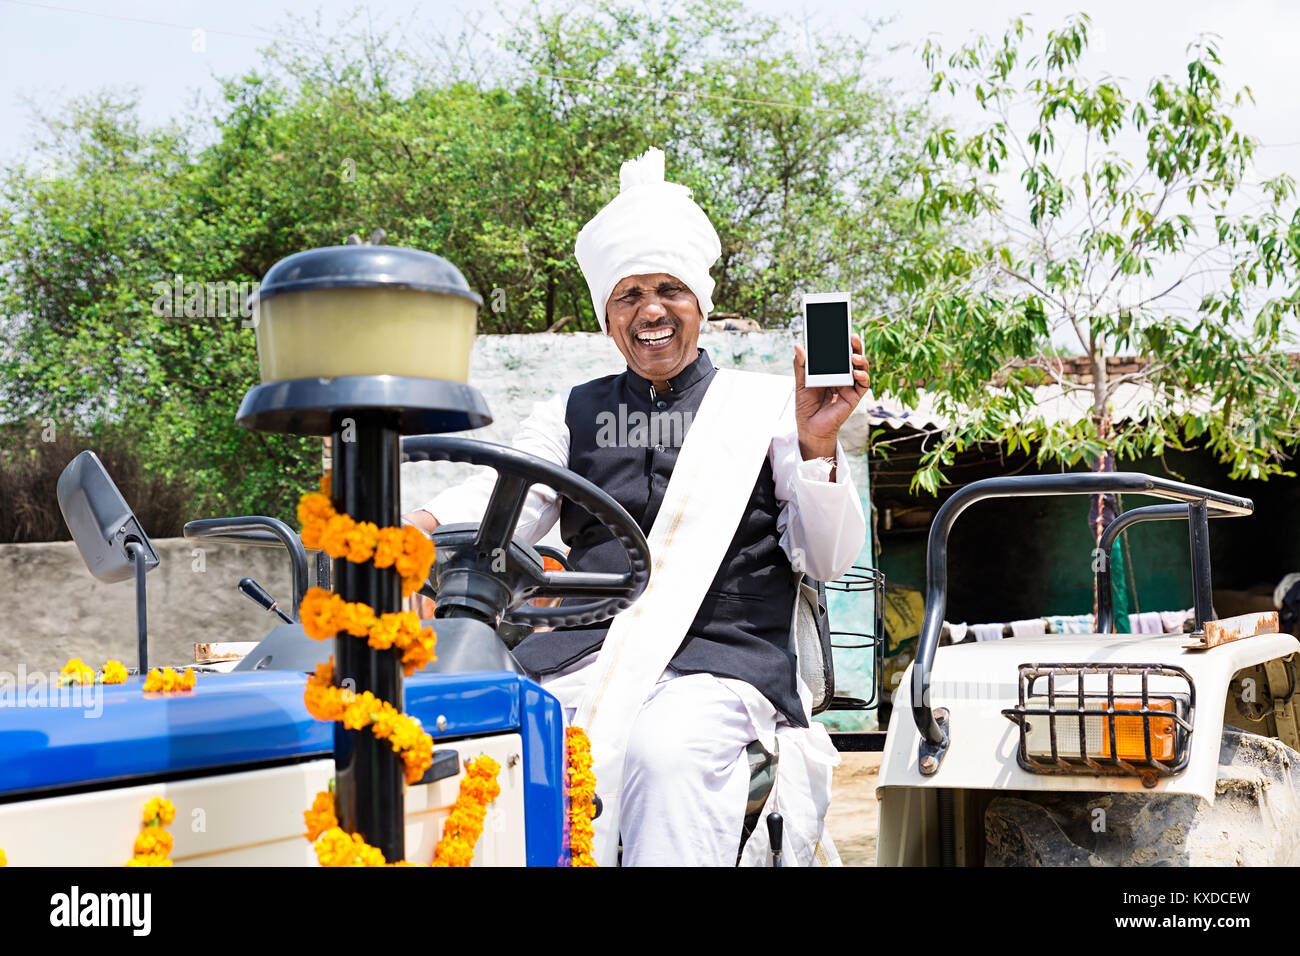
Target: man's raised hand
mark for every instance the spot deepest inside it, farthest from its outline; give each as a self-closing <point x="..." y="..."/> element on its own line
<point x="819" y="412"/>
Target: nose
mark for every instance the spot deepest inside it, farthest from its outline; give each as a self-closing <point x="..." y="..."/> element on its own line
<point x="653" y="309"/>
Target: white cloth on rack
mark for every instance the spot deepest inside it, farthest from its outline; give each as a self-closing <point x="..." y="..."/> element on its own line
<point x="956" y="632"/>
<point x="1172" y="621"/>
<point x="1031" y="627"/>
<point x="987" y="632"/>
<point x="1147" y="622"/>
<point x="1071" y="624"/>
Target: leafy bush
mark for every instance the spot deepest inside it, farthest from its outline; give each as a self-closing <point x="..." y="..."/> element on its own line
<point x="29" y="473"/>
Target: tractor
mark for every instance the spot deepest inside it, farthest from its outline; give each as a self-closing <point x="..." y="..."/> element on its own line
<point x="1098" y="749"/>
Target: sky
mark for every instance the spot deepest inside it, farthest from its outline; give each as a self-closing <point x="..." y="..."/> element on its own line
<point x="170" y="52"/>
<point x="52" y="51"/>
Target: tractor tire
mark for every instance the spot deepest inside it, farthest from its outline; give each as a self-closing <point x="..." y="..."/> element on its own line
<point x="1253" y="821"/>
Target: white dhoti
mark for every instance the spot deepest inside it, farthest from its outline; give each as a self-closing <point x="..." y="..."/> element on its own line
<point x="686" y="779"/>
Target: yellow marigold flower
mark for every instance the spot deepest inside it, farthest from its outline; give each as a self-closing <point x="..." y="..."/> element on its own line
<point x="114" y="673"/>
<point x="334" y="848"/>
<point x="149" y="859"/>
<point x="453" y="852"/>
<point x="4" y="860"/>
<point x="76" y="671"/>
<point x="360" y="711"/>
<point x="153" y="840"/>
<point x="164" y="811"/>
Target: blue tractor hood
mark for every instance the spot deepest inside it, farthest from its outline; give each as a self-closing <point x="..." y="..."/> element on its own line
<point x="55" y="738"/>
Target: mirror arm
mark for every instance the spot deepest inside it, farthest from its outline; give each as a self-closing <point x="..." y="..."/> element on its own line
<point x="138" y="558"/>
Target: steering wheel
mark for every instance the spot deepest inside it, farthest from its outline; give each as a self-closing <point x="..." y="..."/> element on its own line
<point x="482" y="571"/>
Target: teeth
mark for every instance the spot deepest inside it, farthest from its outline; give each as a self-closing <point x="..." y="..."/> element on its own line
<point x="655" y="335"/>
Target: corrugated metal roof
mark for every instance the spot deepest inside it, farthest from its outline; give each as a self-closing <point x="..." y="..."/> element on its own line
<point x="1053" y="405"/>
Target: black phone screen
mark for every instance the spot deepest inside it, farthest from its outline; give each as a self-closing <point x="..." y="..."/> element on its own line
<point x="828" y="338"/>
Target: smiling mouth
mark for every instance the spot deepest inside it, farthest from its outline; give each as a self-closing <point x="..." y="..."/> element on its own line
<point x="655" y="339"/>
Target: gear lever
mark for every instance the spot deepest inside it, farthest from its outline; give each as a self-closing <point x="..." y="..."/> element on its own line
<point x="775" y="826"/>
<point x="259" y="595"/>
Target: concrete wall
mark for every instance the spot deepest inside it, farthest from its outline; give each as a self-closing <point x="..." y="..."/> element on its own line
<point x="54" y="610"/>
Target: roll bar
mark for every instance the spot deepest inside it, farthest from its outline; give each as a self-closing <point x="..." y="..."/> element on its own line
<point x="258" y="531"/>
<point x="1121" y="523"/>
<point x="934" y="728"/>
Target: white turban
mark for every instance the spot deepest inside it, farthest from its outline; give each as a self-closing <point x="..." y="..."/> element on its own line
<point x="651" y="226"/>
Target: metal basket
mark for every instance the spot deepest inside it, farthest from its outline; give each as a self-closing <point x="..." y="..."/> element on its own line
<point x="859" y="579"/>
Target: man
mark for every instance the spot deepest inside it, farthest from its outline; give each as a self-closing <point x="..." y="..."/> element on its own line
<point x="646" y="257"/>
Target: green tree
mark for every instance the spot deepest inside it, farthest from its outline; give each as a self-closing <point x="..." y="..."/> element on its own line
<point x="1180" y="256"/>
<point x="800" y="156"/>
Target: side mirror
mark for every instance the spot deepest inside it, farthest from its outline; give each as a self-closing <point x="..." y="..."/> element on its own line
<point x="100" y="520"/>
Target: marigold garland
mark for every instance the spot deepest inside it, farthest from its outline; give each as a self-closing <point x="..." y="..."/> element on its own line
<point x="461" y="830"/>
<point x="406" y="549"/>
<point x="334" y="846"/>
<point x="168" y="681"/>
<point x="582" y="798"/>
<point x="154" y="843"/>
<point x="357" y="711"/>
<point x="324" y="614"/>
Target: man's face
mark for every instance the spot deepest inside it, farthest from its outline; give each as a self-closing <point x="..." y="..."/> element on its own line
<point x="655" y="322"/>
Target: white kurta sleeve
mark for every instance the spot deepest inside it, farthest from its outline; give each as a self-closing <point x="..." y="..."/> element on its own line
<point x="543" y="434"/>
<point x="820" y="522"/>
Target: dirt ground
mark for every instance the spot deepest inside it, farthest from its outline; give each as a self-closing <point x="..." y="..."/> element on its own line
<point x="854" y="810"/>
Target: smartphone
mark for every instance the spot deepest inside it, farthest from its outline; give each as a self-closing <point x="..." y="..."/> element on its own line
<point x="827" y="327"/>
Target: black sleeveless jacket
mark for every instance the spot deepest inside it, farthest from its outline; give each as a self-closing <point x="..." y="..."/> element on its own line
<point x="742" y="629"/>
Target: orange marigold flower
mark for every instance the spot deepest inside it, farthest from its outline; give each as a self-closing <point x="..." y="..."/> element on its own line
<point x="361" y="539"/>
<point x="333" y="537"/>
<point x="317" y="614"/>
<point x="321" y="815"/>
<point x="389" y="547"/>
<point x="315" y="508"/>
<point x="354" y="617"/>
